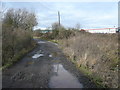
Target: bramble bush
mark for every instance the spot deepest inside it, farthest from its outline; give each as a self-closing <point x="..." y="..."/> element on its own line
<point x="17" y="32"/>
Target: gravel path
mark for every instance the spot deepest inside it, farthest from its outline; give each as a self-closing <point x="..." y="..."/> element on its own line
<point x="45" y="67"/>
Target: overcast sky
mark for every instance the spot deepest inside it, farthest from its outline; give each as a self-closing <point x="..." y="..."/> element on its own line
<point x="87" y="14"/>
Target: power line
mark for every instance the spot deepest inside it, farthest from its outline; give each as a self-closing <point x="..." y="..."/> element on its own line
<point x="48" y="7"/>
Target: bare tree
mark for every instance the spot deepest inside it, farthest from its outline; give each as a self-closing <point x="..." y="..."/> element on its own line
<point x="3" y="9"/>
<point x="20" y="18"/>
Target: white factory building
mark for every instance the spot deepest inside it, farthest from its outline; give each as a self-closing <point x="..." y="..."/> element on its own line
<point x="102" y="30"/>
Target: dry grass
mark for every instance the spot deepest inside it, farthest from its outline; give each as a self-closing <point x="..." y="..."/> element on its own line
<point x="97" y="53"/>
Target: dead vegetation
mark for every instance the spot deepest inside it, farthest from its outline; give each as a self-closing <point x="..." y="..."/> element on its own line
<point x="96" y="55"/>
<point x="17" y="34"/>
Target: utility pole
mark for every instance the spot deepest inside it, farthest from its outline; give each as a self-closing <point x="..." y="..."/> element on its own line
<point x="59" y="18"/>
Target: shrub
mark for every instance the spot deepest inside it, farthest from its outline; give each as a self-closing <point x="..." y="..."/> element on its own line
<point x="17" y="33"/>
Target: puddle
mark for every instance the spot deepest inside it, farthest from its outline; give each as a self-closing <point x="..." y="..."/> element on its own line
<point x="63" y="79"/>
<point x="55" y="43"/>
<point x="41" y="42"/>
<point x="50" y="55"/>
<point x="37" y="55"/>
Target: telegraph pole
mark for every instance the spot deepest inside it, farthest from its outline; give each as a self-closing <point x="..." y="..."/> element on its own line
<point x="59" y="18"/>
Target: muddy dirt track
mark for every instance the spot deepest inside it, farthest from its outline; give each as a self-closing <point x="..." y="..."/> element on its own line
<point x="45" y="67"/>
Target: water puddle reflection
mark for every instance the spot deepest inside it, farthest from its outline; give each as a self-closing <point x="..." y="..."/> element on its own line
<point x="63" y="79"/>
<point x="41" y="42"/>
<point x="56" y="44"/>
<point x="37" y="55"/>
<point x="50" y="55"/>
